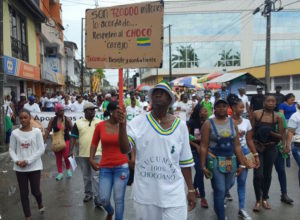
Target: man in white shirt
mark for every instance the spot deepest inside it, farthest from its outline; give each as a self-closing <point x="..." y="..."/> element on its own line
<point x="132" y="111"/>
<point x="184" y="108"/>
<point x="78" y="105"/>
<point x="163" y="159"/>
<point x="143" y="104"/>
<point x="31" y="105"/>
<point x="242" y="95"/>
<point x="293" y="137"/>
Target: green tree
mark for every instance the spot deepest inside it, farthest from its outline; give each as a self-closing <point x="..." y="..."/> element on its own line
<point x="185" y="57"/>
<point x="99" y="73"/>
<point x="229" y="59"/>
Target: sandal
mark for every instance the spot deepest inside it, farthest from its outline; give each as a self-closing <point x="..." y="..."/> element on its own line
<point x="257" y="207"/>
<point x="265" y="204"/>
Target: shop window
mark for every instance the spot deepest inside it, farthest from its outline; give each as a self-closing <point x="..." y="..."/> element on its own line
<point x="296" y="82"/>
<point x="18" y="35"/>
<point x="283" y="81"/>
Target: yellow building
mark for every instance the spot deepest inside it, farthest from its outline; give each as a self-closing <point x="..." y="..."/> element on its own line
<point x="21" y="27"/>
<point x="286" y="74"/>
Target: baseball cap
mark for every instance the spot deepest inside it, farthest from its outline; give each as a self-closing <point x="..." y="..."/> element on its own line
<point x="164" y="85"/>
<point x="23" y="94"/>
<point x="108" y="95"/>
<point x="220" y="101"/>
<point x="88" y="105"/>
<point x="31" y="98"/>
<point x="259" y="87"/>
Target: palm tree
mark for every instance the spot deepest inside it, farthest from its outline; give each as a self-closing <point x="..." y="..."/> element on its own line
<point x="227" y="59"/>
<point x="99" y="73"/>
<point x="186" y="57"/>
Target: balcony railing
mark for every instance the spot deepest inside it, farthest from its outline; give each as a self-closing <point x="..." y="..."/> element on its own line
<point x="19" y="50"/>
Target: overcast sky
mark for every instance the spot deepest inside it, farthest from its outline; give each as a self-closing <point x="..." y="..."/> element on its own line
<point x="73" y="11"/>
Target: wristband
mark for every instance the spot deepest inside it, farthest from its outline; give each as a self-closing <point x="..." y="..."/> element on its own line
<point x="191" y="190"/>
<point x="242" y="166"/>
<point x="255" y="154"/>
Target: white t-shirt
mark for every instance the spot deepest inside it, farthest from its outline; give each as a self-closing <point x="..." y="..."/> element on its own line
<point x="43" y="100"/>
<point x="67" y="107"/>
<point x="77" y="107"/>
<point x="7" y="110"/>
<point x="244" y="127"/>
<point x="160" y="155"/>
<point x="294" y="122"/>
<point x="132" y="112"/>
<point x="27" y="146"/>
<point x="245" y="101"/>
<point x="143" y="106"/>
<point x="34" y="108"/>
<point x="50" y="102"/>
<point x="185" y="110"/>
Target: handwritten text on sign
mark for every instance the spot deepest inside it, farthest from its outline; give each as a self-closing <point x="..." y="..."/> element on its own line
<point x="128" y="36"/>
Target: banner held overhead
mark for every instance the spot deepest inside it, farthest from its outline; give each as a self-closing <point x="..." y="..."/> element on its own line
<point x="126" y="36"/>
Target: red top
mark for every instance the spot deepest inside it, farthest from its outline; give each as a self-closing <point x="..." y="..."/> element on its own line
<point x="111" y="154"/>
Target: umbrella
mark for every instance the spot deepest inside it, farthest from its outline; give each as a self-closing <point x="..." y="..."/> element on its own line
<point x="144" y="87"/>
<point x="188" y="81"/>
<point x="208" y="77"/>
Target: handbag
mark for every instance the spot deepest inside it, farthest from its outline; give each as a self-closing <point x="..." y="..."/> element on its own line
<point x="58" y="140"/>
<point x="227" y="164"/>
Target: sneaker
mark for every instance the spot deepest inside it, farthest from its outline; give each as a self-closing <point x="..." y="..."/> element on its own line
<point x="244" y="215"/>
<point x="204" y="203"/>
<point x="87" y="198"/>
<point x="228" y="197"/>
<point x="69" y="173"/>
<point x="59" y="177"/>
<point x="42" y="210"/>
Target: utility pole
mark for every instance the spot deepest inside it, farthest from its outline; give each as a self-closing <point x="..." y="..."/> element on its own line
<point x="268" y="52"/>
<point x="81" y="75"/>
<point x="269" y="7"/>
<point x="2" y="76"/>
<point x="170" y="54"/>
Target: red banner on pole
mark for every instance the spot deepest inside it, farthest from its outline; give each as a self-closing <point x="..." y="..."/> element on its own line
<point x="121" y="103"/>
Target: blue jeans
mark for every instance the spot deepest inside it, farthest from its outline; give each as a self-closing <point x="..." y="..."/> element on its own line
<point x="221" y="183"/>
<point x="280" y="169"/>
<point x="113" y="179"/>
<point x="241" y="182"/>
<point x="296" y="154"/>
<point x="199" y="176"/>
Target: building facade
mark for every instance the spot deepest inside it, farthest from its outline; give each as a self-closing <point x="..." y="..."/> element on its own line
<point x="52" y="50"/>
<point x="22" y="27"/>
<point x="214" y="36"/>
<point x="71" y="68"/>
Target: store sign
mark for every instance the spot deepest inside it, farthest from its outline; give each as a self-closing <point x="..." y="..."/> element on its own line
<point x="51" y="70"/>
<point x="16" y="67"/>
<point x="126" y="36"/>
<point x="10" y="65"/>
<point x="29" y="71"/>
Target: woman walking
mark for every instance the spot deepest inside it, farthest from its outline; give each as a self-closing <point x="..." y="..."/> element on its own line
<point x="61" y="123"/>
<point x="114" y="171"/>
<point x="248" y="147"/>
<point x="220" y="142"/>
<point x="264" y="123"/>
<point x="288" y="107"/>
<point x="26" y="148"/>
<point x="195" y="123"/>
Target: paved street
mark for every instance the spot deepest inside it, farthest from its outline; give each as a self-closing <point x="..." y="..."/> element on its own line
<point x="63" y="200"/>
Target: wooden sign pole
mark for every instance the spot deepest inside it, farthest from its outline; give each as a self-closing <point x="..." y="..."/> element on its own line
<point x="121" y="103"/>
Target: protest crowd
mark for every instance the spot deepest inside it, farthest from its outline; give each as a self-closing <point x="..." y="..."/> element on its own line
<point x="153" y="141"/>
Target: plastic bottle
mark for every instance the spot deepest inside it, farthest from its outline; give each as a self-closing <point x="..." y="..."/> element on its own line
<point x="192" y="137"/>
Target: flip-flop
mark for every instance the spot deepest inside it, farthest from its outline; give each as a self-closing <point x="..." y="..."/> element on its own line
<point x="257" y="207"/>
<point x="265" y="204"/>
